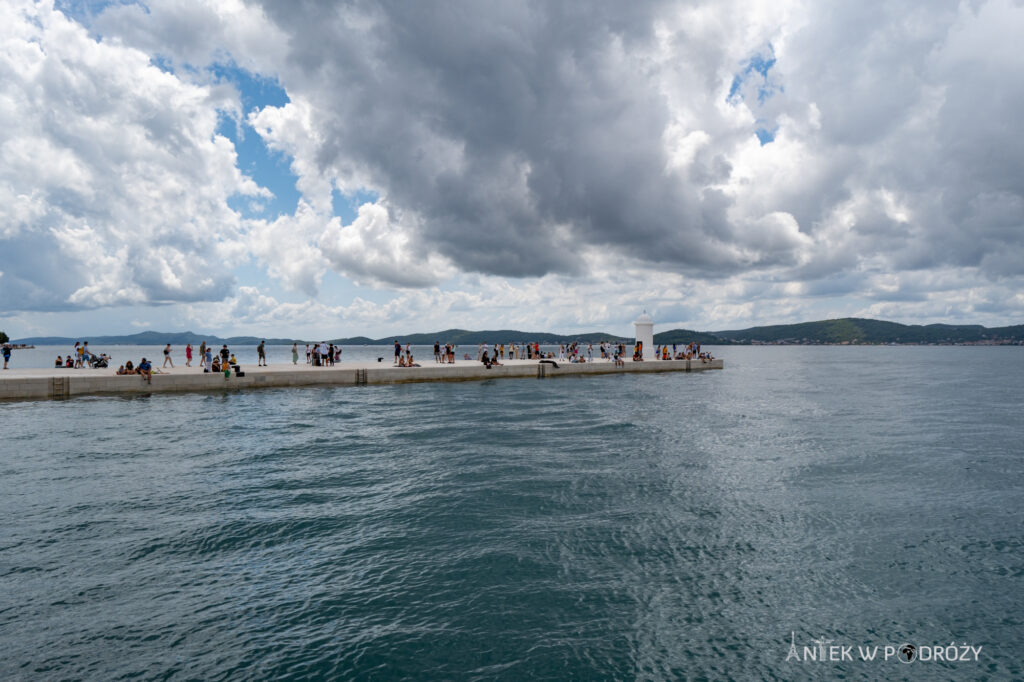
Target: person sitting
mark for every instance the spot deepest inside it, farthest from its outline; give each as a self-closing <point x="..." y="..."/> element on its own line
<point x="129" y="368"/>
<point x="60" y="362"/>
<point x="146" y="370"/>
<point x="410" y="362"/>
<point x="233" y="361"/>
<point x="401" y="361"/>
<point x="486" y="360"/>
<point x="69" y="363"/>
<point x="121" y="371"/>
<point x="216" y="365"/>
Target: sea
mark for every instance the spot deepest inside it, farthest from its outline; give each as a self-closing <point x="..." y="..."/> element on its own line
<point x="755" y="523"/>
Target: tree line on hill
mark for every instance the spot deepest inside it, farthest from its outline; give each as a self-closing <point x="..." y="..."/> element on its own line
<point x="846" y="330"/>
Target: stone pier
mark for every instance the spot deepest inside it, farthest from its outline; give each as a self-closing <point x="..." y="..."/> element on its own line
<point x="59" y="384"/>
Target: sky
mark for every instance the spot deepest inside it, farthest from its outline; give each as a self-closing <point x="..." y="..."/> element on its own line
<point x="323" y="169"/>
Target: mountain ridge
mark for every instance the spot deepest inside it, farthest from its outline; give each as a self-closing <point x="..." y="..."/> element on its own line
<point x="847" y="330"/>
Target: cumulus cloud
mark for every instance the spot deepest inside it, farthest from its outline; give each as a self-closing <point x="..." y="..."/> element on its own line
<point x="767" y="161"/>
<point x="376" y="249"/>
<point x="515" y="133"/>
<point x="113" y="180"/>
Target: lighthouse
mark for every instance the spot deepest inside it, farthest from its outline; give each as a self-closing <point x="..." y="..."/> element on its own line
<point x="645" y="334"/>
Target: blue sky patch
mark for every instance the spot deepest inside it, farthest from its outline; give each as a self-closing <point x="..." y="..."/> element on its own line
<point x="765" y="135"/>
<point x="83" y="11"/>
<point x="756" y="71"/>
<point x="268" y="168"/>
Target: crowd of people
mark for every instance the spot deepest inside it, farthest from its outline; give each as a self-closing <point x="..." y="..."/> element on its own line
<point x="321" y="354"/>
<point x="83" y="357"/>
<point x="325" y="354"/>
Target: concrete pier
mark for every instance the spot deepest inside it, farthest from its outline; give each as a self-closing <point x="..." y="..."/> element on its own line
<point x="58" y="384"/>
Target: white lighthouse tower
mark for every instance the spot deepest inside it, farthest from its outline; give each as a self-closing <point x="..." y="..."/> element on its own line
<point x="645" y="334"/>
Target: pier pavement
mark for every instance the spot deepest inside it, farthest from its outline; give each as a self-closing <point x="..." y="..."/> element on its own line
<point x="58" y="383"/>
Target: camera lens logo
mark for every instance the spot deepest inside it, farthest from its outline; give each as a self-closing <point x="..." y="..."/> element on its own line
<point x="907" y="653"/>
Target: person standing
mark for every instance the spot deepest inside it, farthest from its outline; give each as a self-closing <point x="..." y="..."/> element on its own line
<point x="188" y="354"/>
<point x="261" y="354"/>
<point x="309" y="355"/>
<point x="295" y="353"/>
<point x="202" y="356"/>
<point x="7" y="353"/>
<point x="224" y="354"/>
<point x="167" y="356"/>
<point x="437" y="351"/>
<point x="398" y="351"/>
<point x="208" y="358"/>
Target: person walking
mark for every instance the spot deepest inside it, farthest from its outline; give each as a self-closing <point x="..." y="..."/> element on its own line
<point x="167" y="356"/>
<point x="202" y="356"/>
<point x="261" y="354"/>
<point x="295" y="353"/>
<point x="188" y="354"/>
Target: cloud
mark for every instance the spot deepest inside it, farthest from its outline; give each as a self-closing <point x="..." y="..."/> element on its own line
<point x="376" y="249"/>
<point x="768" y="162"/>
<point x="514" y="134"/>
<point x="113" y="180"/>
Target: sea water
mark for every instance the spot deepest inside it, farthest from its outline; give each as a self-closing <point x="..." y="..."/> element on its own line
<point x="617" y="527"/>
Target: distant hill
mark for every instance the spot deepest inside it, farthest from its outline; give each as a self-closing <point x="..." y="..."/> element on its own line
<point x="682" y="337"/>
<point x="150" y="339"/>
<point x="463" y="337"/>
<point x="846" y="330"/>
<point x="455" y="336"/>
<point x="861" y="330"/>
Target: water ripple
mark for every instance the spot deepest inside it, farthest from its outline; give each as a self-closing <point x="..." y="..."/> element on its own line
<point x="619" y="527"/>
